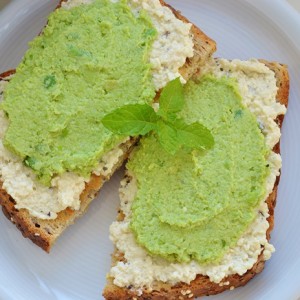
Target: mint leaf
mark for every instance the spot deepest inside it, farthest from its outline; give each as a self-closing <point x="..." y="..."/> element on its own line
<point x="195" y="135"/>
<point x="171" y="100"/>
<point x="167" y="137"/>
<point x="173" y="136"/>
<point x="133" y="119"/>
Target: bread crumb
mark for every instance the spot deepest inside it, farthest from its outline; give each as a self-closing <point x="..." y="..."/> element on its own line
<point x="187" y="293"/>
<point x="232" y="288"/>
<point x="37" y="234"/>
<point x="224" y="283"/>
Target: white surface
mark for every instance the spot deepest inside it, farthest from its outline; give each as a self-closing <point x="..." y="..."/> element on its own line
<point x="76" y="268"/>
<point x="295" y="4"/>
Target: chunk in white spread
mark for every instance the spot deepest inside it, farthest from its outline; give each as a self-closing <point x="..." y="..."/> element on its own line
<point x="109" y="161"/>
<point x="173" y="44"/>
<point x="258" y="88"/>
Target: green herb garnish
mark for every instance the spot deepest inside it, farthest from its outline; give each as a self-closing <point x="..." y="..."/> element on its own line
<point x="49" y="81"/>
<point x="29" y="162"/>
<point x="171" y="131"/>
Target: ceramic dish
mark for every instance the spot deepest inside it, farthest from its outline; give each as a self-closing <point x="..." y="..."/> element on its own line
<point x="76" y="267"/>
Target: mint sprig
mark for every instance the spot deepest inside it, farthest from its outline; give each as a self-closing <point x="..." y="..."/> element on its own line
<point x="171" y="131"/>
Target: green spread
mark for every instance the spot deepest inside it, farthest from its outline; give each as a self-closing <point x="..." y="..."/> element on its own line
<point x="89" y="60"/>
<point x="195" y="205"/>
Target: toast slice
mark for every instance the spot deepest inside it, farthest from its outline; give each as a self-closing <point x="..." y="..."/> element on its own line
<point x="45" y="232"/>
<point x="202" y="285"/>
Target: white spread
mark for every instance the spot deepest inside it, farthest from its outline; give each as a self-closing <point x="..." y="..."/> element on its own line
<point x="170" y="50"/>
<point x="173" y="44"/>
<point x="109" y="161"/>
<point x="73" y="3"/>
<point x="139" y="270"/>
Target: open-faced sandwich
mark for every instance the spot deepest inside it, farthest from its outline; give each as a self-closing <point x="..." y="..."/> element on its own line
<point x="198" y="197"/>
<point x="198" y="222"/>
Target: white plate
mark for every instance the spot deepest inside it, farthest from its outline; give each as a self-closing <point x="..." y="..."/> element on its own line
<point x="77" y="266"/>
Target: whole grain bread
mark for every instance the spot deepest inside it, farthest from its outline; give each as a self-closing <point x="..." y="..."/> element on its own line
<point x="202" y="286"/>
<point x="45" y="232"/>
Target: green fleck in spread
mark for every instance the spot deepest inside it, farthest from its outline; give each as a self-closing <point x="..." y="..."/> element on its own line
<point x="49" y="81"/>
<point x="89" y="60"/>
<point x="195" y="205"/>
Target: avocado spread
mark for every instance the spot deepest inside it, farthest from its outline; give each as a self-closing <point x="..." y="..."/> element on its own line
<point x="194" y="205"/>
<point x="89" y="60"/>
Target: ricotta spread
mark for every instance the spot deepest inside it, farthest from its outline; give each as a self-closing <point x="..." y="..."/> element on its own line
<point x="258" y="88"/>
<point x="172" y="46"/>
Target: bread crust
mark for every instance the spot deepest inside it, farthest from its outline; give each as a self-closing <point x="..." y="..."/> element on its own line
<point x="202" y="286"/>
<point x="45" y="232"/>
